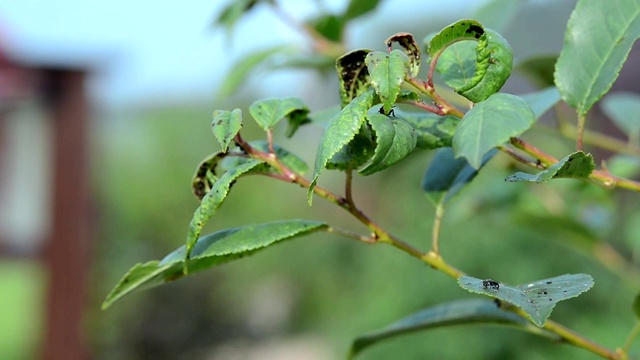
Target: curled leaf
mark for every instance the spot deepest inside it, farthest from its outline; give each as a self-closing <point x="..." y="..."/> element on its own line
<point x="411" y="49"/>
<point x="352" y="74"/>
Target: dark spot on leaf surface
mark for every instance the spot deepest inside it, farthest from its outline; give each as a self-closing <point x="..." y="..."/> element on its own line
<point x="475" y="30"/>
<point x="548" y="282"/>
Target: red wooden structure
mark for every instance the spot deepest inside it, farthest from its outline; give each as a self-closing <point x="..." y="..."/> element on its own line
<point x="65" y="254"/>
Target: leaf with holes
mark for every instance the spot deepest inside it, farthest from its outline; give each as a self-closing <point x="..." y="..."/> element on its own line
<point x="209" y="251"/>
<point x="494" y="60"/>
<point x="458" y="31"/>
<point x="459" y="312"/>
<point x="353" y="75"/>
<point x="475" y="74"/>
<point x="339" y="132"/>
<point x="489" y="124"/>
<point x="225" y="126"/>
<point x="395" y="139"/>
<point x="574" y="166"/>
<point x="268" y="112"/>
<point x="212" y="201"/>
<point x="387" y="73"/>
<point x="597" y="42"/>
<point x="410" y="48"/>
<point x="538" y="298"/>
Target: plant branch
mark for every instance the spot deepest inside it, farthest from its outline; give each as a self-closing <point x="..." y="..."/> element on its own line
<point x="351" y="235"/>
<point x="578" y="340"/>
<point x="582" y="119"/>
<point x="432" y="258"/>
<point x="435" y="233"/>
<point x="347" y="187"/>
<point x="445" y="107"/>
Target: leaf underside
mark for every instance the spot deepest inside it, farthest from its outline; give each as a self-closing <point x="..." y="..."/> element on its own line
<point x="538" y="298"/>
<point x="577" y="165"/>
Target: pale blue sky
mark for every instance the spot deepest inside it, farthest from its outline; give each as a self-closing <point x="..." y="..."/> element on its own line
<point x="150" y="49"/>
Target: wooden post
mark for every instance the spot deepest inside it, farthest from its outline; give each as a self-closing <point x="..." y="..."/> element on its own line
<point x="66" y="255"/>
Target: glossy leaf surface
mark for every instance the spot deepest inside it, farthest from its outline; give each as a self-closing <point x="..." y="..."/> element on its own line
<point x="339" y="132"/>
<point x="489" y="124"/>
<point x="209" y="251"/>
<point x="225" y="126"/>
<point x="395" y="139"/>
<point x="212" y="201"/>
<point x="597" y="42"/>
<point x="433" y="131"/>
<point x="387" y="73"/>
<point x="268" y="112"/>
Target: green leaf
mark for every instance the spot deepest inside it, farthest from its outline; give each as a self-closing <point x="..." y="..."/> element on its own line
<point x="539" y="69"/>
<point x="446" y="176"/>
<point x="433" y="131"/>
<point x="243" y="68"/>
<point x="268" y="112"/>
<point x="205" y="175"/>
<point x="489" y="124"/>
<point x="212" y="201"/>
<point x="497" y="14"/>
<point x="329" y="26"/>
<point x="353" y="75"/>
<point x="457" y="64"/>
<point x="341" y="129"/>
<point x="209" y="251"/>
<point x="538" y="298"/>
<point x="623" y="108"/>
<point x="459" y="312"/>
<point x="543" y="100"/>
<point x="356" y="153"/>
<point x="636" y="306"/>
<point x="410" y="48"/>
<point x="225" y="126"/>
<point x="574" y="166"/>
<point x="597" y="42"/>
<point x="458" y="31"/>
<point x="395" y="139"/>
<point x="357" y="8"/>
<point x="494" y="60"/>
<point x="387" y="73"/>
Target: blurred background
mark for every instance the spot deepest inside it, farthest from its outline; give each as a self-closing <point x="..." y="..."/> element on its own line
<point x="105" y="111"/>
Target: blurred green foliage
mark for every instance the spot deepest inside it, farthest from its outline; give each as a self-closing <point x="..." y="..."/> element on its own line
<point x="331" y="290"/>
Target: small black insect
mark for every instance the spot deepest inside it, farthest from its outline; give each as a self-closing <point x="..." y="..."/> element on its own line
<point x="491" y="284"/>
